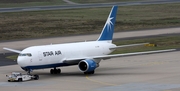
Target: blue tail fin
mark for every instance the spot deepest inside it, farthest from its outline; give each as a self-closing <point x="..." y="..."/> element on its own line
<point x="108" y="30"/>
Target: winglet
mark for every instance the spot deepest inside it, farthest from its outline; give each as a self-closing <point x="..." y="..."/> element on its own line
<point x="12" y="50"/>
<point x="108" y="30"/>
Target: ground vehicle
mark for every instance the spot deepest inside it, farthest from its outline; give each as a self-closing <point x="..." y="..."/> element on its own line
<point x="15" y="76"/>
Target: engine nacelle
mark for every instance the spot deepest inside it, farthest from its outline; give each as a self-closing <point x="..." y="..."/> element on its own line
<point x="87" y="65"/>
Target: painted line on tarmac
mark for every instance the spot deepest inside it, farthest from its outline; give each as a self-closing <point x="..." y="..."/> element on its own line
<point x="100" y="82"/>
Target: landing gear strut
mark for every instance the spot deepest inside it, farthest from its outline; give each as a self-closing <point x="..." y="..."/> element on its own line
<point x="35" y="77"/>
<point x="29" y="71"/>
<point x="55" y="71"/>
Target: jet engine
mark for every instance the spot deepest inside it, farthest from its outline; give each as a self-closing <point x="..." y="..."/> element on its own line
<point x="87" y="66"/>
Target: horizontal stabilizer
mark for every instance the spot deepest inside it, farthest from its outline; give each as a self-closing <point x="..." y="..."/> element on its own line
<point x="12" y="50"/>
<point x="128" y="45"/>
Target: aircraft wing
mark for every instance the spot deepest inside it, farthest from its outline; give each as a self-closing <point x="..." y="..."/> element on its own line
<point x="12" y="50"/>
<point x="127" y="45"/>
<point x="117" y="55"/>
<point x="131" y="54"/>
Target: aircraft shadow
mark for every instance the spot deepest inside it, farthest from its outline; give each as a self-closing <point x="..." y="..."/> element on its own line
<point x="99" y="72"/>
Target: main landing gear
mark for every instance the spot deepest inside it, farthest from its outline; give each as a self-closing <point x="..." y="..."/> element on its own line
<point x="91" y="72"/>
<point x="55" y="71"/>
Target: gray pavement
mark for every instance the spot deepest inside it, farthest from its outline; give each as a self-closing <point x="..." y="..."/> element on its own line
<point x="5" y="61"/>
<point x="37" y="8"/>
<point x="21" y="44"/>
<point x="153" y="72"/>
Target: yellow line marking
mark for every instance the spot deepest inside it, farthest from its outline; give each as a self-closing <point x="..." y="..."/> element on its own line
<point x="96" y="81"/>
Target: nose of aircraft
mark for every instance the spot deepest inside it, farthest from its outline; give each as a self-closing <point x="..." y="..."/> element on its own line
<point x="21" y="61"/>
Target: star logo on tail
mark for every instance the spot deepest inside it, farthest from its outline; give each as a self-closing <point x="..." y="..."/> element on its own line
<point x="109" y="23"/>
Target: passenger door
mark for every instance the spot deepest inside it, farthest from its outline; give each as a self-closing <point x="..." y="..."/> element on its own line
<point x="40" y="55"/>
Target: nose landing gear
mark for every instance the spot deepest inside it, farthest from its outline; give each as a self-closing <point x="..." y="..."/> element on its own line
<point x="28" y="71"/>
<point x="35" y="77"/>
<point x="55" y="71"/>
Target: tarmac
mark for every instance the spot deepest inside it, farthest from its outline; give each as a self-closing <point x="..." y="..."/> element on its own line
<point x="152" y="72"/>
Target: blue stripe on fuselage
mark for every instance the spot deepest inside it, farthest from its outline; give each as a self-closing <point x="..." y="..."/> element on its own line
<point x="46" y="66"/>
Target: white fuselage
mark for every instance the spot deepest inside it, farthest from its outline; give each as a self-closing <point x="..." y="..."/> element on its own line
<point x="48" y="56"/>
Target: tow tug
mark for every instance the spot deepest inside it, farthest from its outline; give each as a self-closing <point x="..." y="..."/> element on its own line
<point x="19" y="77"/>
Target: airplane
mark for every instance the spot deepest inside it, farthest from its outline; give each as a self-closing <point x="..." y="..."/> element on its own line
<point x="87" y="55"/>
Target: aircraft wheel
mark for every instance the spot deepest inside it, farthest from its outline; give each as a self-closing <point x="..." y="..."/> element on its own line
<point x="58" y="71"/>
<point x="52" y="71"/>
<point x="85" y="73"/>
<point x="20" y="80"/>
<point x="55" y="71"/>
<point x="36" y="77"/>
<point x="91" y="72"/>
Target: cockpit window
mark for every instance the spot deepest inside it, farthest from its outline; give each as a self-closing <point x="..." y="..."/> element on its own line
<point x="25" y="54"/>
<point x="29" y="54"/>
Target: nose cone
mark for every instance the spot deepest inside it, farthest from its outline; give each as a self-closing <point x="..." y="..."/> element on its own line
<point x="21" y="61"/>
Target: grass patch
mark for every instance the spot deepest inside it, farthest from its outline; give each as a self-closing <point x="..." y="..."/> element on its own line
<point x="36" y="24"/>
<point x="12" y="57"/>
<point x="162" y="43"/>
<point x="101" y="1"/>
<point x="26" y="3"/>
